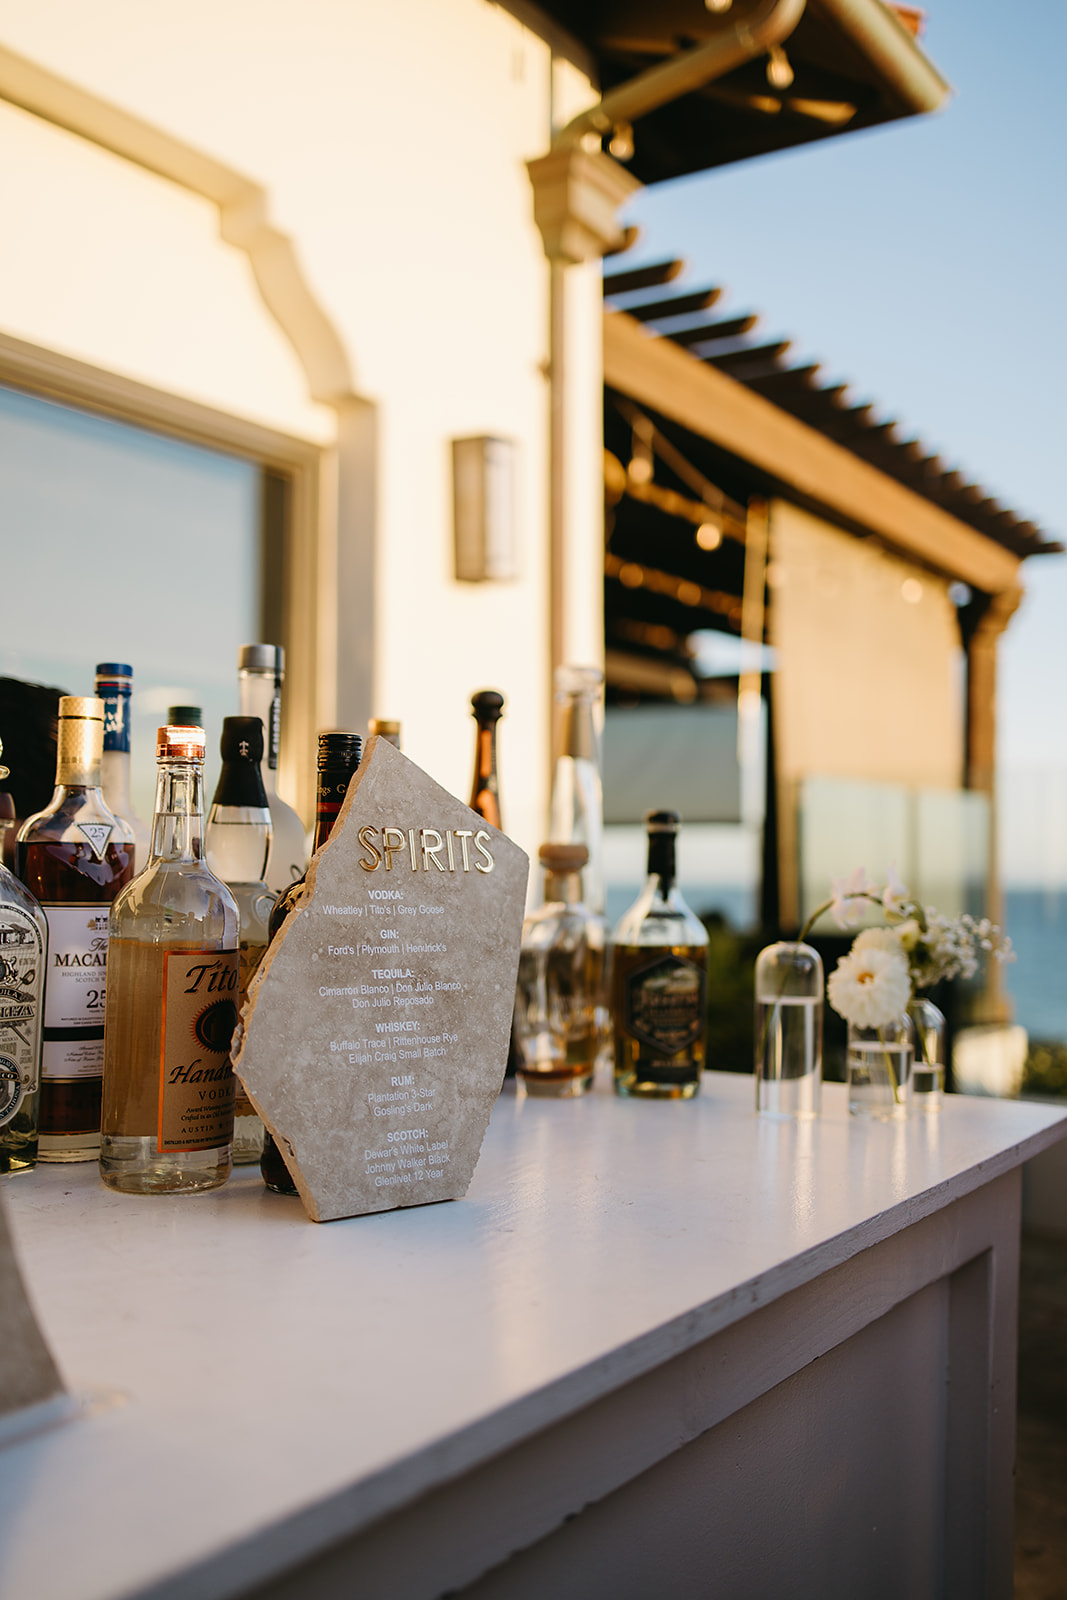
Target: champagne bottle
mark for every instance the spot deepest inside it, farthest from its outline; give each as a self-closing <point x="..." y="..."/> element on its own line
<point x="23" y="950"/>
<point x="261" y="672"/>
<point x="171" y="999"/>
<point x="114" y="685"/>
<point x="236" y="844"/>
<point x="488" y="707"/>
<point x="338" y="759"/>
<point x="660" y="974"/>
<point x="74" y="857"/>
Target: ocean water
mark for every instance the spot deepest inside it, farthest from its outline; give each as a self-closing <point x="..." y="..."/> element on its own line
<point x="1036" y="922"/>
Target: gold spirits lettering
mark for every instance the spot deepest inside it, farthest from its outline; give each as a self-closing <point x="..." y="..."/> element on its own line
<point x="414" y="856"/>
<point x="463" y="834"/>
<point x="373" y="858"/>
<point x="389" y="850"/>
<point x="478" y="837"/>
<point x="430" y="852"/>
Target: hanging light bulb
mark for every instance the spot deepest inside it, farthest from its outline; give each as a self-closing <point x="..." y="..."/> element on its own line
<point x="621" y="145"/>
<point x="779" y="72"/>
<point x="717" y="6"/>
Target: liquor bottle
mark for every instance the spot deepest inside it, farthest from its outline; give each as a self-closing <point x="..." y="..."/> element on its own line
<point x="236" y="845"/>
<point x="560" y="985"/>
<point x="171" y="999"/>
<point x="23" y="950"/>
<point x="114" y="685"/>
<point x="577" y="808"/>
<point x="488" y="708"/>
<point x="385" y="728"/>
<point x="261" y="671"/>
<point x="338" y="759"/>
<point x="74" y="857"/>
<point x="660" y="960"/>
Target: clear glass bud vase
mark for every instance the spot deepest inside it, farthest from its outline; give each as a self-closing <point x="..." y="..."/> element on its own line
<point x="879" y="1069"/>
<point x="788" y="1037"/>
<point x="928" y="1070"/>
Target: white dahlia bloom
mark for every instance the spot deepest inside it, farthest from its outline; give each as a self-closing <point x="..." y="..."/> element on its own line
<point x="878" y="939"/>
<point x="870" y="986"/>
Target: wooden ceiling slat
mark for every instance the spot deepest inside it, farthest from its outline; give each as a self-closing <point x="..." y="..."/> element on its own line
<point x="725" y="328"/>
<point x="749" y="356"/>
<point x="679" y="305"/>
<point x="642" y="277"/>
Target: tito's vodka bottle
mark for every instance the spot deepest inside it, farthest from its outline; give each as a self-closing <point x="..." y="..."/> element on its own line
<point x="339" y="758"/>
<point x="74" y="857"/>
<point x="261" y="669"/>
<point x="23" y="946"/>
<point x="114" y="685"/>
<point x="236" y="843"/>
<point x="660" y="974"/>
<point x="171" y="999"/>
<point x="488" y="708"/>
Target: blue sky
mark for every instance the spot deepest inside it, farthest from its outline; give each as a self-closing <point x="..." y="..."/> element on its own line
<point x="924" y="262"/>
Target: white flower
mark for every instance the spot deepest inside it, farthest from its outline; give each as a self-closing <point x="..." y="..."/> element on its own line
<point x="896" y="902"/>
<point x="870" y="987"/>
<point x="878" y="939"/>
<point x="848" y="897"/>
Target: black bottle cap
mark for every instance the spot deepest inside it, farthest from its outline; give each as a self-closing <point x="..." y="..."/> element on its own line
<point x="185" y="716"/>
<point x="242" y="739"/>
<point x="338" y="749"/>
<point x="663" y="821"/>
<point x="487" y="705"/>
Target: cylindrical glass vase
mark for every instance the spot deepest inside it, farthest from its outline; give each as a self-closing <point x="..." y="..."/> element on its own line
<point x="928" y="1068"/>
<point x="788" y="1036"/>
<point x="879" y="1069"/>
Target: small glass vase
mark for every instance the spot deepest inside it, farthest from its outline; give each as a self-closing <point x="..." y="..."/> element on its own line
<point x="879" y="1069"/>
<point x="928" y="1069"/>
<point x="788" y="1036"/>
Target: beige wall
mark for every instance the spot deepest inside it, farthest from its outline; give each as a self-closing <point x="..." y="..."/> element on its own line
<point x="389" y="142"/>
<point x="869" y="680"/>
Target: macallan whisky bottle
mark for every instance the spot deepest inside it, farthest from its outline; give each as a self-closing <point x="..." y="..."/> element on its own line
<point x="261" y="672"/>
<point x="74" y="857"/>
<point x="171" y="999"/>
<point x="114" y="685"/>
<point x="23" y="949"/>
<point x="236" y="844"/>
<point x="660" y="961"/>
<point x="338" y="759"/>
<point x="488" y="708"/>
<point x="561" y="974"/>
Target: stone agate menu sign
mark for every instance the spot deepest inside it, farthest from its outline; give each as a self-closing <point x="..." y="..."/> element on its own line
<point x="376" y="1032"/>
<point x="27" y="1371"/>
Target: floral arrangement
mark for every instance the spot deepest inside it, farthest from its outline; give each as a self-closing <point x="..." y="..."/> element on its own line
<point x="872" y="984"/>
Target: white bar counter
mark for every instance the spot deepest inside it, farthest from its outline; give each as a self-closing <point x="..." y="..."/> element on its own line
<point x="661" y="1349"/>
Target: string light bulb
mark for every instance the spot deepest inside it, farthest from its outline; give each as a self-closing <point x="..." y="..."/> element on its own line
<point x="621" y="145"/>
<point x="709" y="537"/>
<point x="779" y="72"/>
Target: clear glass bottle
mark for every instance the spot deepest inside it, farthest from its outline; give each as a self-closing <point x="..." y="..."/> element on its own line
<point x="261" y="672"/>
<point x="879" y="1069"/>
<point x="236" y="845"/>
<point x="577" y="809"/>
<point x="561" y="981"/>
<point x="659" y="981"/>
<point x="385" y="728"/>
<point x="930" y="1059"/>
<point x="23" y="951"/>
<point x="788" y="1034"/>
<point x="75" y="857"/>
<point x="338" y="759"/>
<point x="114" y="685"/>
<point x="488" y="708"/>
<point x="171" y="999"/>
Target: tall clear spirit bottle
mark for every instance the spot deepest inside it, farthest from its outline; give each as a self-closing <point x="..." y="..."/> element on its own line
<point x="659" y="981"/>
<point x="236" y="844"/>
<point x="171" y="999"/>
<point x="75" y="857"/>
<point x="23" y="950"/>
<point x="577" y="811"/>
<point x="338" y="759"/>
<point x="114" y="685"/>
<point x="260" y="674"/>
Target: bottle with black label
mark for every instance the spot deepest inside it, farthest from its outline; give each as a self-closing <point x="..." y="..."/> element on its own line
<point x="74" y="857"/>
<point x="659" y="980"/>
<point x="236" y="843"/>
<point x="23" y="949"/>
<point x="171" y="999"/>
<point x="338" y="760"/>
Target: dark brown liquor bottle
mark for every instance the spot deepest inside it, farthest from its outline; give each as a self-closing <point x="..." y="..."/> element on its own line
<point x="488" y="708"/>
<point x="339" y="758"/>
<point x="74" y="857"/>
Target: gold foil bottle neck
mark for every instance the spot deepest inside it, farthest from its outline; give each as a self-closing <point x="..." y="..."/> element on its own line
<point x="180" y="743"/>
<point x="81" y="740"/>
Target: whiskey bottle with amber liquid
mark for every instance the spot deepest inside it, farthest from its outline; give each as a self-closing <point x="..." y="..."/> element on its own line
<point x="75" y="857"/>
<point x="171" y="999"/>
<point x="338" y="760"/>
<point x="560" y="982"/>
<point x="487" y="707"/>
<point x="659" y="980"/>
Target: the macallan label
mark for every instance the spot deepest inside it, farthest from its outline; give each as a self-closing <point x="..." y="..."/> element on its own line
<point x="196" y="1082"/>
<point x="21" y="985"/>
<point x="664" y="1003"/>
<point x="74" y="991"/>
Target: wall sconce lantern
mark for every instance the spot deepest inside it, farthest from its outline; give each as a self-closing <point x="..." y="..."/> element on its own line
<point x="483" y="509"/>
